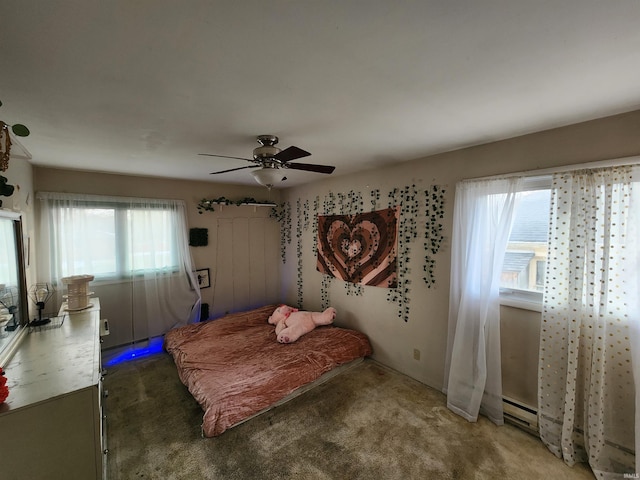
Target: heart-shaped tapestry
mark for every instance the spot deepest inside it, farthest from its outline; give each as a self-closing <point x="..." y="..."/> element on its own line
<point x="360" y="248"/>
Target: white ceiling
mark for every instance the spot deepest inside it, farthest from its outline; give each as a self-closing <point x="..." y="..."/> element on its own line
<point x="142" y="87"/>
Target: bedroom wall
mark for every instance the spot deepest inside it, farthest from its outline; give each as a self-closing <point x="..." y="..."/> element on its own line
<point x="425" y="330"/>
<point x="242" y="252"/>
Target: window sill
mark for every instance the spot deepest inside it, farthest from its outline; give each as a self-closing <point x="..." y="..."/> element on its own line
<point x="521" y="303"/>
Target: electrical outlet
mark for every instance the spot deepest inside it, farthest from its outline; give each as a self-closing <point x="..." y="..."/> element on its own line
<point x="416" y="354"/>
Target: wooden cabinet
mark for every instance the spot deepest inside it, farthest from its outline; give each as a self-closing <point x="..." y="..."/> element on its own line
<point x="51" y="425"/>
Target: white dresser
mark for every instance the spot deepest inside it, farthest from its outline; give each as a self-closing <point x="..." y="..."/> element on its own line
<point x="51" y="426"/>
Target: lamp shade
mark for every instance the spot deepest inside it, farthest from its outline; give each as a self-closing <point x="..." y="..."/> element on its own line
<point x="268" y="176"/>
<point x="40" y="293"/>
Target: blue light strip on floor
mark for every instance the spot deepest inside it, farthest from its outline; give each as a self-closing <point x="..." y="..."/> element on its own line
<point x="134" y="353"/>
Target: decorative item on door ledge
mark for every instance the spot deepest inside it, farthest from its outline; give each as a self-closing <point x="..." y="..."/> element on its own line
<point x="5" y="141"/>
<point x="207" y="205"/>
<point x="198" y="237"/>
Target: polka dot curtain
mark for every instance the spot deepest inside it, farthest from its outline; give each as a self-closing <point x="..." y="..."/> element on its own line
<point x="587" y="398"/>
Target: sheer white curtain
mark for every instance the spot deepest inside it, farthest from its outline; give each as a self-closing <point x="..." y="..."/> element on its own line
<point x="140" y="244"/>
<point x="589" y="352"/>
<point x="483" y="215"/>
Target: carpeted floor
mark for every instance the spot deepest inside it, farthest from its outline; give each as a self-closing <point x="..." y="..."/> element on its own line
<point x="368" y="423"/>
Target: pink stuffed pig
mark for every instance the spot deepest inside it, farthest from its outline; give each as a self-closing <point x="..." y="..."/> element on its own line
<point x="291" y="323"/>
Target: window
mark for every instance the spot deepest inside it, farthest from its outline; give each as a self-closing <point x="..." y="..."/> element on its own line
<point x="140" y="244"/>
<point x="146" y="252"/>
<point x="112" y="240"/>
<point x="91" y="231"/>
<point x="522" y="278"/>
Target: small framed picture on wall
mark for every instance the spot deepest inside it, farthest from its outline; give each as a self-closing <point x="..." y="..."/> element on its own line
<point x="203" y="278"/>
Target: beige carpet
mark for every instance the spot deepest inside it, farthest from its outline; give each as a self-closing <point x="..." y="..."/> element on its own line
<point x="368" y="423"/>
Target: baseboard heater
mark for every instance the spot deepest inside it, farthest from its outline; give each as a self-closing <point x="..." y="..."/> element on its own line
<point x="621" y="457"/>
<point x="520" y="415"/>
<point x="526" y="417"/>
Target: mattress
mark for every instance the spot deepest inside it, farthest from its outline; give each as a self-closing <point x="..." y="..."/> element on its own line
<point x="235" y="368"/>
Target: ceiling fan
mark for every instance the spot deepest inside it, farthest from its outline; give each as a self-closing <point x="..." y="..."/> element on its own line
<point x="270" y="160"/>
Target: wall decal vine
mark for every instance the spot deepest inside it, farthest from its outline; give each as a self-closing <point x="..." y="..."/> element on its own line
<point x="375" y="199"/>
<point x="324" y="291"/>
<point x="316" y="209"/>
<point x="350" y="203"/>
<point x="408" y="200"/>
<point x="356" y="206"/>
<point x="299" y="225"/>
<point x="329" y="203"/>
<point x="282" y="213"/>
<point x="354" y="289"/>
<point x="433" y="230"/>
<point x="305" y="211"/>
<point x="328" y="206"/>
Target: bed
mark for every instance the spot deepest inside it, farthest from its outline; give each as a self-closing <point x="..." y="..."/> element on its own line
<point x="235" y="368"/>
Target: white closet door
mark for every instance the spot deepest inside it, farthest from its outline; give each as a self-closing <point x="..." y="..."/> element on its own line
<point x="241" y="270"/>
<point x="258" y="274"/>
<point x="224" y="285"/>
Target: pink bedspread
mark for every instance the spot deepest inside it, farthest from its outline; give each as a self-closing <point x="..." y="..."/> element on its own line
<point x="235" y="368"/>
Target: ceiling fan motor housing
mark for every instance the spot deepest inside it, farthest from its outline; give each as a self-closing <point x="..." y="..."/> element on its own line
<point x="267" y="148"/>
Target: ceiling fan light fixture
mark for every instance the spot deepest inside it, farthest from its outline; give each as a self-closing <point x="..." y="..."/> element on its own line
<point x="268" y="176"/>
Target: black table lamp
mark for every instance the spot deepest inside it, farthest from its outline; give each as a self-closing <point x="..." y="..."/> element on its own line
<point x="40" y="293"/>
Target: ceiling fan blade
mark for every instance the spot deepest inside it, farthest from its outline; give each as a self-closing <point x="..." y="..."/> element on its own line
<point x="291" y="153"/>
<point x="234" y="169"/>
<point x="308" y="167"/>
<point x="225" y="156"/>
